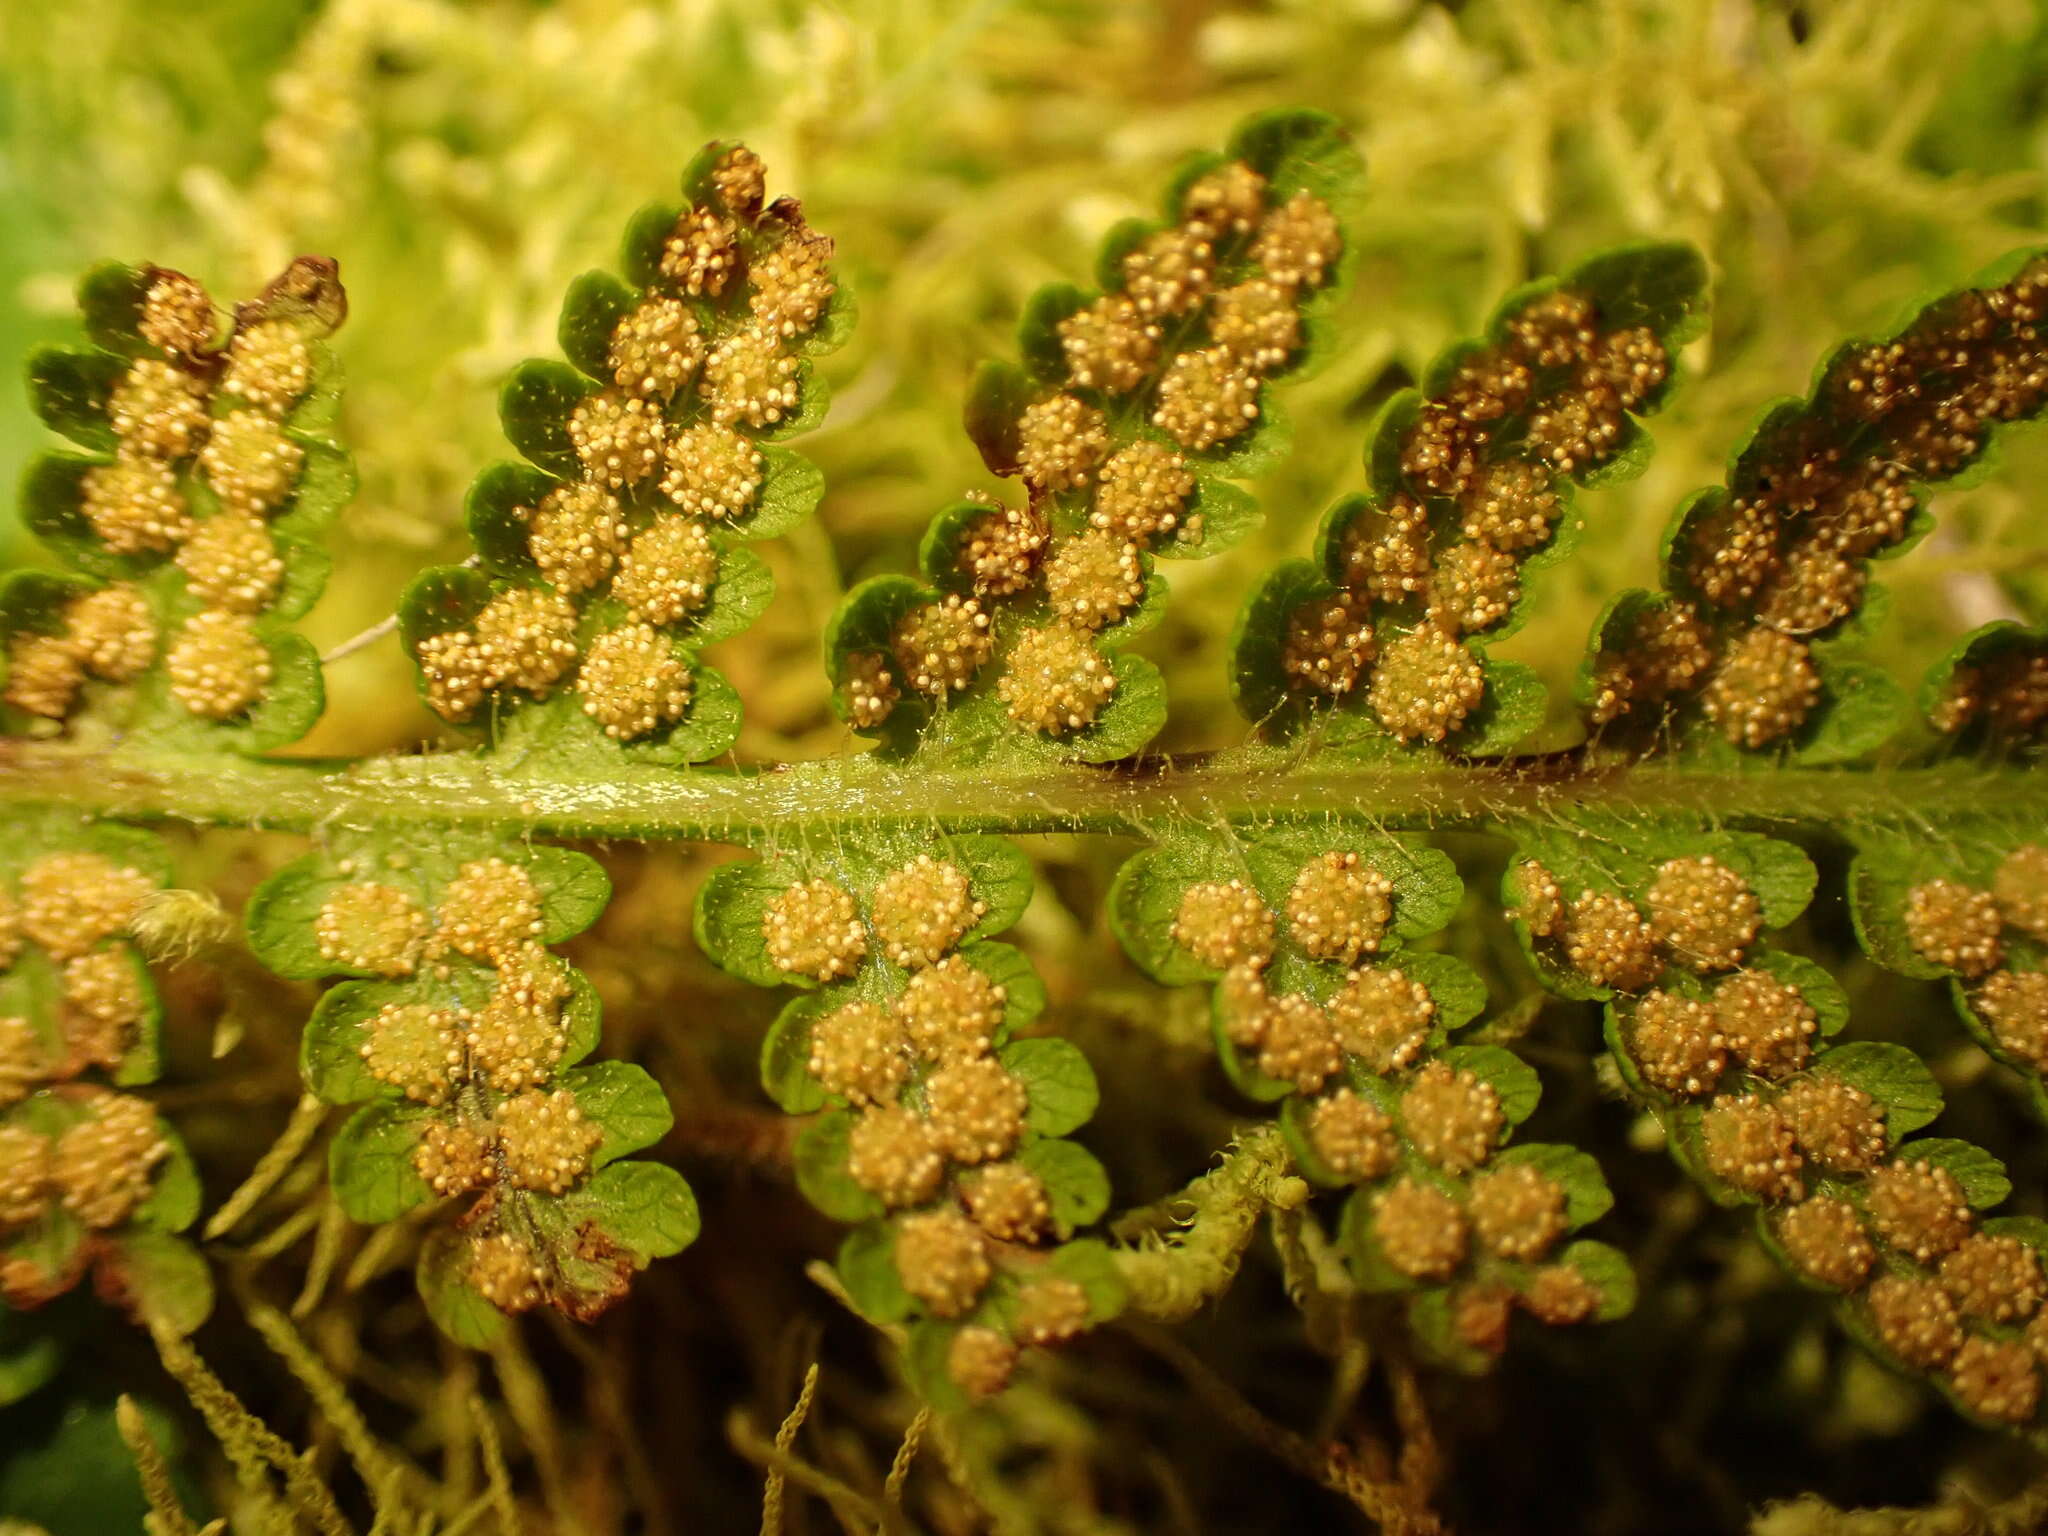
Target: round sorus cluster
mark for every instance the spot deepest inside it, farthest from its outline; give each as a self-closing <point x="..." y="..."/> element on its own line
<point x="942" y="1260"/>
<point x="104" y="1002"/>
<point x="893" y="1154"/>
<point x="1258" y="323"/>
<point x="1296" y="1041"/>
<point x="27" y="1163"/>
<point x="1421" y="1230"/>
<point x="860" y="1052"/>
<point x="813" y="929"/>
<point x="1000" y="551"/>
<point x="1050" y="1310"/>
<point x="1995" y="1278"/>
<point x="1996" y="1379"/>
<point x="668" y="570"/>
<point x="1330" y="643"/>
<point x="71" y="901"/>
<point x="1824" y="1237"/>
<point x="177" y="315"/>
<point x="977" y="1109"/>
<point x="748" y="377"/>
<point x="1560" y="1297"/>
<point x="1536" y="900"/>
<point x="102" y="1165"/>
<point x="1352" y="1135"/>
<point x="546" y="1141"/>
<point x="231" y="562"/>
<point x="250" y="463"/>
<point x="1452" y="1118"/>
<point x="1143" y="491"/>
<point x="711" y="471"/>
<point x="1660" y="653"/>
<point x="1764" y="688"/>
<point x="1915" y="1319"/>
<point x="1224" y="923"/>
<point x="940" y="646"/>
<point x="1518" y="1212"/>
<point x="1676" y="1044"/>
<point x="1385" y="551"/>
<point x="923" y="910"/>
<point x="633" y="683"/>
<point x="1061" y="441"/>
<point x="1513" y="506"/>
<point x="526" y="638"/>
<point x="1109" y="345"/>
<point x="1093" y="579"/>
<point x="114" y="631"/>
<point x="218" y="664"/>
<point x="1918" y="1208"/>
<point x="1299" y="242"/>
<point x="1339" y="908"/>
<point x="701" y="253"/>
<point x="1009" y="1202"/>
<point x="1749" y="1143"/>
<point x="1609" y="943"/>
<point x="415" y="1048"/>
<point x="656" y="348"/>
<point x="980" y="1361"/>
<point x="1839" y="1127"/>
<point x="491" y="909"/>
<point x="1207" y="397"/>
<point x="951" y="1009"/>
<point x="1056" y="680"/>
<point x="2014" y="1004"/>
<point x="1382" y="1017"/>
<point x="1425" y="684"/>
<point x="133" y="506"/>
<point x="364" y="926"/>
<point x="270" y="367"/>
<point x="1704" y="912"/>
<point x="516" y="1038"/>
<point x="575" y="536"/>
<point x="1170" y="272"/>
<point x="44" y="673"/>
<point x="1954" y="925"/>
<point x="454" y="1157"/>
<point x="871" y="691"/>
<point x="506" y="1272"/>
<point x="617" y="438"/>
<point x="1766" y="1023"/>
<point x="158" y="410"/>
<point x="792" y="283"/>
<point x="1475" y="587"/>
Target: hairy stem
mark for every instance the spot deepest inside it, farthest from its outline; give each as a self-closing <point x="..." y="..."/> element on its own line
<point x="1250" y="785"/>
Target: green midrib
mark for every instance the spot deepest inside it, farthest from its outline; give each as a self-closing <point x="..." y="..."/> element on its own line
<point x="1248" y="786"/>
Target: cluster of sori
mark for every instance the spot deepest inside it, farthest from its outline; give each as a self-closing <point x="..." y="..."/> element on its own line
<point x="88" y="1175"/>
<point x="941" y="1133"/>
<point x="1993" y="689"/>
<point x="1765" y="568"/>
<point x="187" y="522"/>
<point x="1471" y="481"/>
<point x="609" y="561"/>
<point x="461" y="1042"/>
<point x="1982" y="920"/>
<point x="1132" y="403"/>
<point x="1727" y="1041"/>
<point x="1317" y="1003"/>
